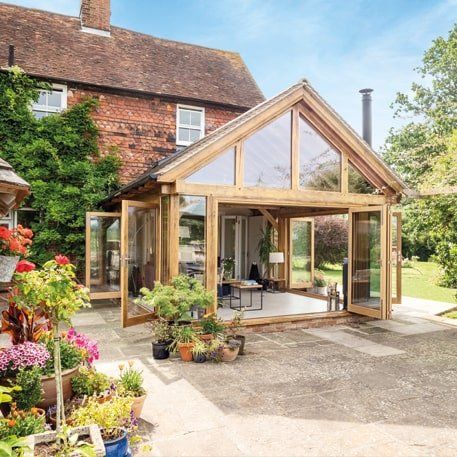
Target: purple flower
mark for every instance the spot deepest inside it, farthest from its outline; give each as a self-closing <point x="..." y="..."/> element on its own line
<point x="84" y="342"/>
<point x="23" y="356"/>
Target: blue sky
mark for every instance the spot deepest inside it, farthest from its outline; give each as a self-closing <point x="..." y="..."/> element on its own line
<point x="340" y="46"/>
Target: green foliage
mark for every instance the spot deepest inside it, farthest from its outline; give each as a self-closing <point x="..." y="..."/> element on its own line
<point x="161" y="331"/>
<point x="20" y="424"/>
<point x="330" y="240"/>
<point x="130" y="382"/>
<point x="29" y="380"/>
<point x="175" y="300"/>
<point x="58" y="156"/>
<point x="7" y="393"/>
<point x="90" y="382"/>
<point x="70" y="355"/>
<point x="70" y="445"/>
<point x="184" y="334"/>
<point x="266" y="245"/>
<point x="424" y="152"/>
<point x="211" y="324"/>
<point x="13" y="446"/>
<point x="109" y="416"/>
<point x="319" y="279"/>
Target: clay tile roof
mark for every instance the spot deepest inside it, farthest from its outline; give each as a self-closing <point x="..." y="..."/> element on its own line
<point x="50" y="45"/>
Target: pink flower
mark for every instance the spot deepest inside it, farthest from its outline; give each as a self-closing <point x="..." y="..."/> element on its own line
<point x="22" y="356"/>
<point x="24" y="265"/>
<point x="62" y="259"/>
<point x="85" y="343"/>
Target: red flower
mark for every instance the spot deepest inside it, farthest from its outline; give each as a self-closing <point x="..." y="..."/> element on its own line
<point x="14" y="245"/>
<point x="62" y="259"/>
<point x="4" y="233"/>
<point x="24" y="265"/>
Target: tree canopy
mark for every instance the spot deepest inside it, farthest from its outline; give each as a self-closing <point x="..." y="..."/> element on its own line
<point x="59" y="157"/>
<point x="424" y="152"/>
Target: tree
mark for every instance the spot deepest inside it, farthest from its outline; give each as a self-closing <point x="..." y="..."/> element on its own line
<point x="59" y="157"/>
<point x="330" y="240"/>
<point x="424" y="153"/>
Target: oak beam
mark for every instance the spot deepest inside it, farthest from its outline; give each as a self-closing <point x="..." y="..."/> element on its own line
<point x="269" y="218"/>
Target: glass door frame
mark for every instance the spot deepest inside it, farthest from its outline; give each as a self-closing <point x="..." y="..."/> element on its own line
<point x="238" y="242"/>
<point x="98" y="295"/>
<point x="380" y="313"/>
<point x="126" y="204"/>
<point x="396" y="263"/>
<point x="310" y="283"/>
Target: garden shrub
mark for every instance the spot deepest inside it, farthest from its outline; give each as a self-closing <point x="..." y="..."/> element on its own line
<point x="330" y="240"/>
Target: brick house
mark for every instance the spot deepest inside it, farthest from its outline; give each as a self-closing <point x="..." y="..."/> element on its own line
<point x="156" y="96"/>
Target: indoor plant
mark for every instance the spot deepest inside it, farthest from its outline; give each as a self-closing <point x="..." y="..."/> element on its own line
<point x="228" y="268"/>
<point x="211" y="327"/>
<point x="114" y="419"/>
<point x="229" y="350"/>
<point x="234" y="327"/>
<point x="184" y="339"/>
<point x="264" y="247"/>
<point x="199" y="351"/>
<point x="161" y="333"/>
<point x="130" y="384"/>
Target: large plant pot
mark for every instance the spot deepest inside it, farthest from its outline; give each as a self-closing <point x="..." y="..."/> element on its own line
<point x="49" y="437"/>
<point x="229" y="355"/>
<point x="321" y="290"/>
<point x="118" y="447"/>
<point x="137" y="405"/>
<point x="48" y="383"/>
<point x="7" y="267"/>
<point x="185" y="351"/>
<point x="160" y="350"/>
<point x="242" y="340"/>
<point x="206" y="337"/>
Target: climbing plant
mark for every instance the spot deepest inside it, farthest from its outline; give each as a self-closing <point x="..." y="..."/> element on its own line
<point x="59" y="157"/>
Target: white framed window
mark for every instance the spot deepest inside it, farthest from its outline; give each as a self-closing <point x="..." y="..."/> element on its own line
<point x="190" y="124"/>
<point x="50" y="101"/>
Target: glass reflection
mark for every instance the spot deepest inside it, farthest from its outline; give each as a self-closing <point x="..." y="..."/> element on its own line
<point x="220" y="171"/>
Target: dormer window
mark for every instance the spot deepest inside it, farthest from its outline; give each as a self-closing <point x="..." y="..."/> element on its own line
<point x="50" y="101"/>
<point x="190" y="124"/>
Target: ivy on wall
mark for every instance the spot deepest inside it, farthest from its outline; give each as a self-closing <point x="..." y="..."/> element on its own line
<point x="59" y="157"/>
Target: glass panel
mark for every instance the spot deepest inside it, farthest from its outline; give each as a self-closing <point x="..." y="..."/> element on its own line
<point x="42" y="98"/>
<point x="196" y="118"/>
<point x="194" y="135"/>
<point x="141" y="254"/>
<point x="105" y="243"/>
<point x="357" y="184"/>
<point x="164" y="213"/>
<point x="301" y="239"/>
<point x="220" y="171"/>
<point x="243" y="248"/>
<point x="192" y="215"/>
<point x="183" y="134"/>
<point x="40" y="114"/>
<point x="366" y="259"/>
<point x="55" y="99"/>
<point x="320" y="163"/>
<point x="267" y="155"/>
<point x="184" y="116"/>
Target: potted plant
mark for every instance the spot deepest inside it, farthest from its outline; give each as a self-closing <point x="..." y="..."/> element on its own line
<point x="130" y="384"/>
<point x="265" y="247"/>
<point x="21" y="423"/>
<point x="114" y="419"/>
<point x="92" y="383"/>
<point x="13" y="245"/>
<point x="229" y="351"/>
<point x="161" y="333"/>
<point x="85" y="441"/>
<point x="320" y="283"/>
<point x="184" y="340"/>
<point x="228" y="268"/>
<point x="214" y="350"/>
<point x="173" y="302"/>
<point x="31" y="391"/>
<point x="234" y="327"/>
<point x="211" y="327"/>
<point x="199" y="351"/>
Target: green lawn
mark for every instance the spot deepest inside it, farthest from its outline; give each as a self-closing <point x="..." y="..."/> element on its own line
<point x="419" y="281"/>
<point x="451" y="315"/>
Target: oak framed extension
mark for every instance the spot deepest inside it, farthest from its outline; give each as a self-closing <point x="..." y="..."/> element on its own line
<point x="290" y="158"/>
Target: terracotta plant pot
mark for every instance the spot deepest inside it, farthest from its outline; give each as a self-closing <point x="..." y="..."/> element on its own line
<point x="185" y="351"/>
<point x="137" y="405"/>
<point x="48" y="383"/>
<point x="206" y="337"/>
<point x="229" y="355"/>
<point x="242" y="340"/>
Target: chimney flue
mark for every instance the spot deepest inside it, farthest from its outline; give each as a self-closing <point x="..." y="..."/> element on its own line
<point x="367" y="121"/>
<point x="10" y="55"/>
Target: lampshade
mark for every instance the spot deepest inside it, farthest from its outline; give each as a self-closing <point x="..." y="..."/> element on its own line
<point x="276" y="257"/>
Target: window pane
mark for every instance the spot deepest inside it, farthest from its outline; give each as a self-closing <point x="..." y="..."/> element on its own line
<point x="301" y="236"/>
<point x="42" y="98"/>
<point x="267" y="154"/>
<point x="220" y="171"/>
<point x="184" y="116"/>
<point x="320" y="164"/>
<point x="55" y="99"/>
<point x="192" y="215"/>
<point x="196" y="118"/>
<point x="183" y="134"/>
<point x="357" y="184"/>
<point x="39" y="114"/>
<point x="194" y="135"/>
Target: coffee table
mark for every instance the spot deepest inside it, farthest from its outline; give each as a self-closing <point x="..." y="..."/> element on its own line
<point x="251" y="288"/>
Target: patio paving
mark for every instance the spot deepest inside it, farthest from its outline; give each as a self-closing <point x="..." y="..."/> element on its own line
<point x="379" y="389"/>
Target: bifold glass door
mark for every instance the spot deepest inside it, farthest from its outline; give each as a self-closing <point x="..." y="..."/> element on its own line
<point x="103" y="250"/>
<point x="301" y="248"/>
<point x="366" y="278"/>
<point x="234" y="243"/>
<point x="140" y="266"/>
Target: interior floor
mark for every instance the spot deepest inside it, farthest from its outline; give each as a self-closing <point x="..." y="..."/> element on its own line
<point x="275" y="304"/>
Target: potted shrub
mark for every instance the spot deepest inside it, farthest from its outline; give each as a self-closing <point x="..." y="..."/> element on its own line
<point x="161" y="333"/>
<point x="320" y="283"/>
<point x="199" y="351"/>
<point x="211" y="327"/>
<point x="233" y="329"/>
<point x="13" y="245"/>
<point x="92" y="383"/>
<point x="130" y="384"/>
<point x="184" y="340"/>
<point x="83" y="441"/>
<point x="228" y="268"/>
<point x="214" y="350"/>
<point x="229" y="350"/>
<point x="173" y="302"/>
<point x="114" y="419"/>
<point x="31" y="391"/>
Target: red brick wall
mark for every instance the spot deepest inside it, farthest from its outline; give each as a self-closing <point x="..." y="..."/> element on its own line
<point x="96" y="14"/>
<point x="142" y="129"/>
